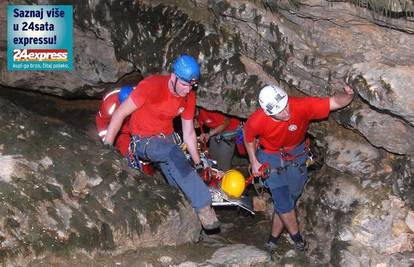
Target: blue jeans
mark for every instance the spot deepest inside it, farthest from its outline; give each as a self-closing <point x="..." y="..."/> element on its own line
<point x="175" y="166"/>
<point x="287" y="178"/>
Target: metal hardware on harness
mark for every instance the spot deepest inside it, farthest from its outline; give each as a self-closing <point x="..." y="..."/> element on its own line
<point x="310" y="161"/>
<point x="133" y="145"/>
<point x="133" y="159"/>
<point x="161" y="135"/>
<point x="285" y="152"/>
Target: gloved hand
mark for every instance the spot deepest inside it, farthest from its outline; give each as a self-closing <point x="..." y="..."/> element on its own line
<point x="109" y="146"/>
<point x="204" y="137"/>
<point x="199" y="168"/>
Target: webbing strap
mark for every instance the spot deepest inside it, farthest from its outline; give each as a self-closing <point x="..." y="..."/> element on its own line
<point x="279" y="170"/>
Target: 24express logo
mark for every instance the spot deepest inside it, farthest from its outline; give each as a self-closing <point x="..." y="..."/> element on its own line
<point x="40" y="55"/>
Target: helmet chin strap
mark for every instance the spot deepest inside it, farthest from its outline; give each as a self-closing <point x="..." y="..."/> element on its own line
<point x="175" y="85"/>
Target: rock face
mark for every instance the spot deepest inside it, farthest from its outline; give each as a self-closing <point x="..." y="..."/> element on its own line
<point x="360" y="205"/>
<point x="60" y="190"/>
<point x="242" y="45"/>
<point x="361" y="223"/>
<point x="357" y="200"/>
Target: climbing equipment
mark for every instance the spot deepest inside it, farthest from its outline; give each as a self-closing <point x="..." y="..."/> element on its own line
<point x="134" y="161"/>
<point x="263" y="174"/>
<point x="213" y="178"/>
<point x="186" y="68"/>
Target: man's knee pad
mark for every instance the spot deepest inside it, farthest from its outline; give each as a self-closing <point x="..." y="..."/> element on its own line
<point x="178" y="159"/>
<point x="282" y="200"/>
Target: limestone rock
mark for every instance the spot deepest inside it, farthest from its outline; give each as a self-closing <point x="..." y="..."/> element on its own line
<point x="354" y="217"/>
<point x="387" y="87"/>
<point x="233" y="255"/>
<point x="353" y="154"/>
<point x="61" y="190"/>
<point x="240" y="255"/>
<point x="382" y="130"/>
<point x="360" y="256"/>
<point x="409" y="220"/>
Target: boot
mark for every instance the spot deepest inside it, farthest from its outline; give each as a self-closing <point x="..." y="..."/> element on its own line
<point x="298" y="242"/>
<point x="301" y="245"/>
<point x="271" y="244"/>
<point x="270" y="247"/>
<point x="208" y="218"/>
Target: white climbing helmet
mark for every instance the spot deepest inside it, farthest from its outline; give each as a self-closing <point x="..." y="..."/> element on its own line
<point x="272" y="99"/>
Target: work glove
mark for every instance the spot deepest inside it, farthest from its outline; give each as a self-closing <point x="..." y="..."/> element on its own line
<point x="109" y="146"/>
<point x="199" y="168"/>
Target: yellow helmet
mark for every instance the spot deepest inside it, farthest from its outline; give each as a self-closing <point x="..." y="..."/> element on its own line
<point x="233" y="183"/>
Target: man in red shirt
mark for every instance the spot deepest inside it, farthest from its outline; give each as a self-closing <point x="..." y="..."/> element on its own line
<point x="217" y="122"/>
<point x="109" y="104"/>
<point x="279" y="128"/>
<point x="153" y="105"/>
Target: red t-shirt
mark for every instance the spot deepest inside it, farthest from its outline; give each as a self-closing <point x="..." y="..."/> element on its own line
<point x="107" y="108"/>
<point x="274" y="135"/>
<point x="213" y="119"/>
<point x="158" y="107"/>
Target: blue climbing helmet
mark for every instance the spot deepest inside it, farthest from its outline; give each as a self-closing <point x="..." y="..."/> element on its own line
<point x="186" y="68"/>
<point x="124" y="92"/>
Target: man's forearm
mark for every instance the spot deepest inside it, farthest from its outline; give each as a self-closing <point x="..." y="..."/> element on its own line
<point x="113" y="128"/>
<point x="191" y="142"/>
<point x="217" y="130"/>
<point x="251" y="151"/>
<point x="220" y="128"/>
<point x="118" y="118"/>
